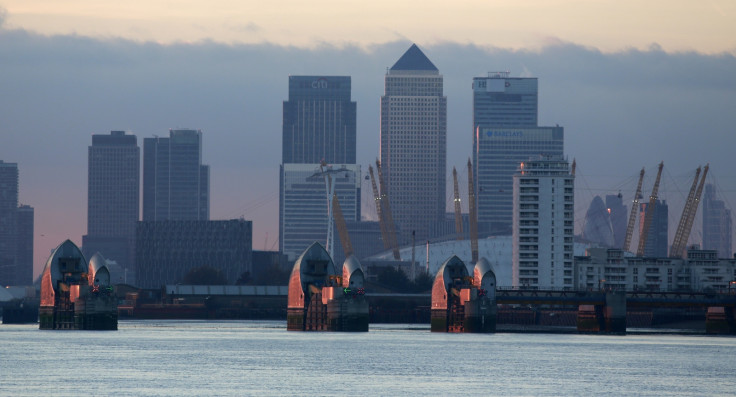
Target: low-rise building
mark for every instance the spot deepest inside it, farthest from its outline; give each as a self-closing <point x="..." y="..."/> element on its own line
<point x="702" y="270"/>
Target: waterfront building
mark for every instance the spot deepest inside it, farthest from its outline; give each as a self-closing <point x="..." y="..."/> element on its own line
<point x="113" y="197"/>
<point x="167" y="250"/>
<point x="414" y="143"/>
<point x="303" y="204"/>
<point x="657" y="244"/>
<point x="8" y="222"/>
<point x="543" y="216"/>
<point x="611" y="268"/>
<point x="176" y="185"/>
<point x="499" y="153"/>
<point x="717" y="224"/>
<point x="619" y="218"/>
<point x="319" y="121"/>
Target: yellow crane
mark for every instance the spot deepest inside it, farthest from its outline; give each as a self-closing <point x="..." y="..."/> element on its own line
<point x="388" y="218"/>
<point x="458" y="210"/>
<point x="472" y="215"/>
<point x="650" y="213"/>
<point x="342" y="228"/>
<point x="675" y="251"/>
<point x="634" y="210"/>
<point x="379" y="212"/>
<point x="679" y="250"/>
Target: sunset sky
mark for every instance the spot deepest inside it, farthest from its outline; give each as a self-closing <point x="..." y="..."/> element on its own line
<point x="608" y="25"/>
<point x="632" y="82"/>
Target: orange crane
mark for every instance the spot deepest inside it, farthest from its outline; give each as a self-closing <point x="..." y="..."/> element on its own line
<point x="458" y="213"/>
<point x="342" y="228"/>
<point x="389" y="220"/>
<point x="676" y="251"/>
<point x="650" y="213"/>
<point x="379" y="212"/>
<point x="472" y="215"/>
<point x="680" y="250"/>
<point x="634" y="210"/>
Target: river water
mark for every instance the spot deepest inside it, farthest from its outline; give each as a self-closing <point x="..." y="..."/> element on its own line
<point x="245" y="358"/>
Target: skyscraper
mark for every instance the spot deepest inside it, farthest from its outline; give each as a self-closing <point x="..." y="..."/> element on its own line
<point x="24" y="252"/>
<point x="16" y="231"/>
<point x="414" y="143"/>
<point x="657" y="244"/>
<point x="175" y="182"/>
<point x="543" y="216"/>
<point x="8" y="221"/>
<point x="597" y="228"/>
<point x="319" y="125"/>
<point x="619" y="218"/>
<point x="717" y="224"/>
<point x="113" y="197"/>
<point x="303" y="206"/>
<point x="505" y="133"/>
<point x="319" y="121"/>
<point x="500" y="151"/>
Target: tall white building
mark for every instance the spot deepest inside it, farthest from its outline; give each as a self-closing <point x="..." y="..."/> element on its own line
<point x="542" y="225"/>
<point x="414" y="143"/>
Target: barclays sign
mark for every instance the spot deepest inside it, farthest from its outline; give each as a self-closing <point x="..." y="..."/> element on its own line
<point x="504" y="134"/>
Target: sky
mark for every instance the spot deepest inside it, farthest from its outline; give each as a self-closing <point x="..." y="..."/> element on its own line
<point x="633" y="83"/>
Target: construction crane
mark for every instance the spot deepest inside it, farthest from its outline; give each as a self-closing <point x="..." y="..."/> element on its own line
<point x="634" y="210"/>
<point x="676" y="250"/>
<point x="458" y="213"/>
<point x="342" y="228"/>
<point x="379" y="212"/>
<point x="389" y="220"/>
<point x="472" y="215"/>
<point x="680" y="250"/>
<point x="650" y="213"/>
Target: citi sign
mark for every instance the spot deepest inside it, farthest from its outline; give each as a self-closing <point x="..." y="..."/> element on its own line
<point x="504" y="134"/>
<point x="320" y="83"/>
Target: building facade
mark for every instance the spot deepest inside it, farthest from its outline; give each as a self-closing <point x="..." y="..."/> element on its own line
<point x="657" y="235"/>
<point x="619" y="218"/>
<point x="303" y="205"/>
<point x="113" y="197"/>
<point x="702" y="270"/>
<point x="717" y="224"/>
<point x="319" y="121"/>
<point x="319" y="135"/>
<point x="24" y="253"/>
<point x="167" y="250"/>
<point x="8" y="222"/>
<point x="176" y="185"/>
<point x="499" y="153"/>
<point x="414" y="143"/>
<point x="543" y="216"/>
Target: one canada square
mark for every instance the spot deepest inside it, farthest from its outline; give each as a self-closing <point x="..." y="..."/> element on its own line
<point x="414" y="143"/>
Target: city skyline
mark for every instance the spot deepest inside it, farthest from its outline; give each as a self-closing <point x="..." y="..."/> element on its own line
<point x="636" y="107"/>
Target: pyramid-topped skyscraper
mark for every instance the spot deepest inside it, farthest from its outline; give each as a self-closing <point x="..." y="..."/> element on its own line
<point x="414" y="144"/>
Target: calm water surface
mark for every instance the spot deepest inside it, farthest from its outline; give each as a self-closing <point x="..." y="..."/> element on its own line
<point x="231" y="358"/>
